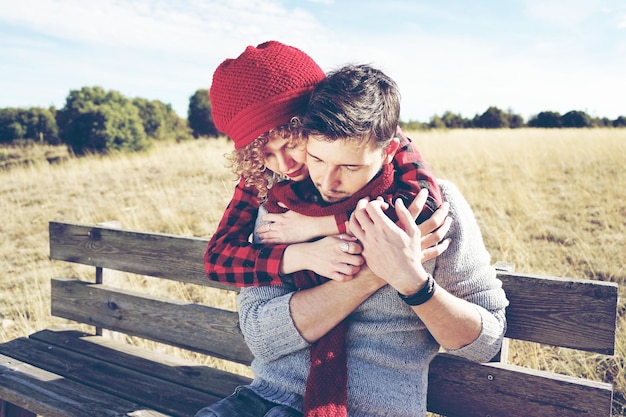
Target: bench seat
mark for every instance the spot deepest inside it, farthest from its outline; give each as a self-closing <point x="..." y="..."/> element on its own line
<point x="103" y="374"/>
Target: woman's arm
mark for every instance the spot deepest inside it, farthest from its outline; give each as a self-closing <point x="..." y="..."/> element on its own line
<point x="230" y="257"/>
<point x="292" y="227"/>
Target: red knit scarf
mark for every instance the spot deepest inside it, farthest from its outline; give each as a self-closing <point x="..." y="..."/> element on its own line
<point x="326" y="390"/>
<point x="302" y="196"/>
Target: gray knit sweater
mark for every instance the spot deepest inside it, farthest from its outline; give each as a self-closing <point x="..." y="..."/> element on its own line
<point x="389" y="348"/>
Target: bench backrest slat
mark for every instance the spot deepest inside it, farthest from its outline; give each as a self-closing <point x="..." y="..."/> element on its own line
<point x="194" y="327"/>
<point x="153" y="254"/>
<point x="571" y="313"/>
<point x="459" y="388"/>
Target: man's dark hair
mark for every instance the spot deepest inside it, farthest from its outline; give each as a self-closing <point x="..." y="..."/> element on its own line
<point x="356" y="102"/>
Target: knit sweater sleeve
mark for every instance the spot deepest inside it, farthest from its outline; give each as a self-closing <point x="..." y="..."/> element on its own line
<point x="230" y="257"/>
<point x="465" y="271"/>
<point x="266" y="323"/>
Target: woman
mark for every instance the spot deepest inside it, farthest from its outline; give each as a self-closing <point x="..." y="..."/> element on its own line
<point x="256" y="100"/>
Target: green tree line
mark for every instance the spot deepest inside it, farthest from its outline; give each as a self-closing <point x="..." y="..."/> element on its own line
<point x="94" y="120"/>
<point x="495" y="118"/>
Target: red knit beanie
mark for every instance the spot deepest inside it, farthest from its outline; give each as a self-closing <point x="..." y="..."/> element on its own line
<point x="261" y="89"/>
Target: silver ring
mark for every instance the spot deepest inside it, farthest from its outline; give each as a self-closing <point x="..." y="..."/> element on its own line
<point x="344" y="247"/>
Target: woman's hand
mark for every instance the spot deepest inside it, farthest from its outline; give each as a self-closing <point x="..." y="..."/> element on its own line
<point x="292" y="227"/>
<point x="335" y="257"/>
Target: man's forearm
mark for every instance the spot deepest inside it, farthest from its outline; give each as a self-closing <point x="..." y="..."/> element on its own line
<point x="315" y="311"/>
<point x="453" y="322"/>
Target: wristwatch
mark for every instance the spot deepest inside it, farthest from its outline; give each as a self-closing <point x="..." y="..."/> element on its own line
<point x="424" y="294"/>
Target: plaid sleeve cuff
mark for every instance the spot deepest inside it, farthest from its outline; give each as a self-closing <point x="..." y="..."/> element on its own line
<point x="268" y="263"/>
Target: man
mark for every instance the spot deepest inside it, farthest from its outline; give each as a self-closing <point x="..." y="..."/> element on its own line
<point x="394" y="316"/>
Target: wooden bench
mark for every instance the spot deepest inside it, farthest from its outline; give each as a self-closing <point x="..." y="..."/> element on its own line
<point x="72" y="373"/>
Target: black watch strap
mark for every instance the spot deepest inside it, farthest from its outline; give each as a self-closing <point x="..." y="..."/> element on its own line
<point x="424" y="294"/>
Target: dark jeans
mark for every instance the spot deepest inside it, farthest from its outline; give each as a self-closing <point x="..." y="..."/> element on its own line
<point x="245" y="403"/>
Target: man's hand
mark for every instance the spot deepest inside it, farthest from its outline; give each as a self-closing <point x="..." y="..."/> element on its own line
<point x="433" y="230"/>
<point x="392" y="251"/>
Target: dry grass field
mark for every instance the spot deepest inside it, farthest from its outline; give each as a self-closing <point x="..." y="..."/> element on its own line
<point x="551" y="201"/>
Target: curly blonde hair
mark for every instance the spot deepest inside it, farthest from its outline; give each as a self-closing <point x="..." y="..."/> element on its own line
<point x="249" y="161"/>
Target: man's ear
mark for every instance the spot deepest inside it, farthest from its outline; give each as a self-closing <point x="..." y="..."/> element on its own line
<point x="391" y="149"/>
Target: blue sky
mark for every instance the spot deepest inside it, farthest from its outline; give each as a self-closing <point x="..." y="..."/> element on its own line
<point x="446" y="55"/>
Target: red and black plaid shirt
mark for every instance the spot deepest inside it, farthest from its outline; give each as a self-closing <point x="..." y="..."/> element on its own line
<point x="230" y="258"/>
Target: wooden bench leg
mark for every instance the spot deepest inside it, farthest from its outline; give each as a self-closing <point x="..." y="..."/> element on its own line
<point x="10" y="410"/>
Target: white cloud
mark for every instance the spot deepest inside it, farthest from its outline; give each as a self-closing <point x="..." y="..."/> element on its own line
<point x="179" y="27"/>
<point x="166" y="50"/>
<point x="150" y="48"/>
<point x="559" y="12"/>
<point x="322" y="1"/>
